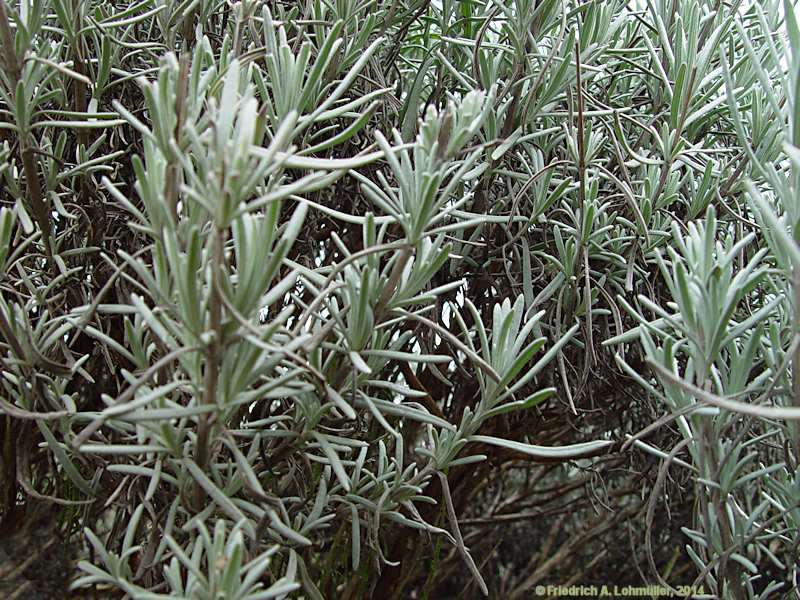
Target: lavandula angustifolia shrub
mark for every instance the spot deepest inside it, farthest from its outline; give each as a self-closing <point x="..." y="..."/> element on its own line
<point x="323" y="299"/>
<point x="724" y="344"/>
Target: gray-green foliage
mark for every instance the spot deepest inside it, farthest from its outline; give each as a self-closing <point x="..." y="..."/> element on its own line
<point x="276" y="278"/>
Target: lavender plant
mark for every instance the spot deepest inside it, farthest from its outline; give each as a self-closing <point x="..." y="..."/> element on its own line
<point x="372" y="299"/>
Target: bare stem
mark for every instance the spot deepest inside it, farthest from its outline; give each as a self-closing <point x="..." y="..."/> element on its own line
<point x="796" y="361"/>
<point x="213" y="355"/>
<point x="581" y="149"/>
<point x="36" y="198"/>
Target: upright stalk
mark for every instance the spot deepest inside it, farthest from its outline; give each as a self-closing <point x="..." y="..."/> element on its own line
<point x="173" y="177"/>
<point x="581" y="149"/>
<point x="36" y="199"/>
<point x="213" y="355"/>
<point x="796" y="361"/>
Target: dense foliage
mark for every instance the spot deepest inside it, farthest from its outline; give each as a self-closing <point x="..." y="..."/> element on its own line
<point x="399" y="298"/>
